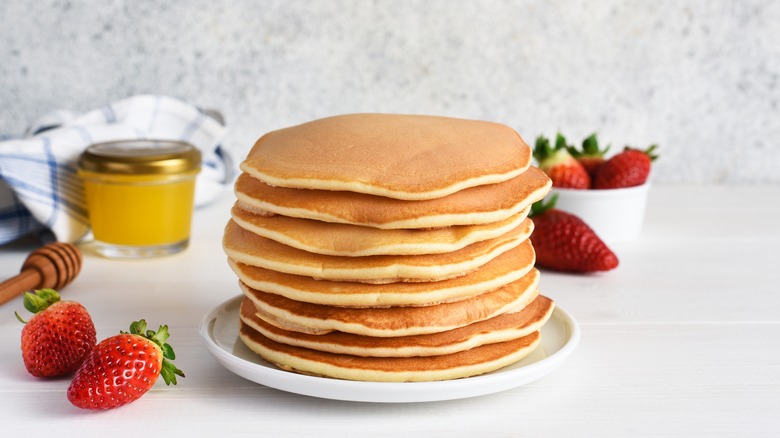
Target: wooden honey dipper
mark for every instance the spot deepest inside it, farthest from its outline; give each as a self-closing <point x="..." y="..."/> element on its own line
<point x="53" y="265"/>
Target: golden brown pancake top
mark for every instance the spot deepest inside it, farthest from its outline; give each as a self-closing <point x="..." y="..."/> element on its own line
<point x="394" y="155"/>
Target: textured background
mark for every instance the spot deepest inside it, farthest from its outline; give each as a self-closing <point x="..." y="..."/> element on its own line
<point x="700" y="78"/>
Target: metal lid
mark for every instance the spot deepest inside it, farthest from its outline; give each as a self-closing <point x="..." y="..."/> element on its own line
<point x="140" y="157"/>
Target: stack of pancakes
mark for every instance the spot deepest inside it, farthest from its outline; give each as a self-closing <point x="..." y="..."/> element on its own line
<point x="383" y="247"/>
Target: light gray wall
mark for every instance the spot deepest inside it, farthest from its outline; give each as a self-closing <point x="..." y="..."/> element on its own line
<point x="700" y="78"/>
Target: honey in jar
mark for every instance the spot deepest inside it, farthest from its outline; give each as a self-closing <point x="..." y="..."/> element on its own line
<point x="140" y="196"/>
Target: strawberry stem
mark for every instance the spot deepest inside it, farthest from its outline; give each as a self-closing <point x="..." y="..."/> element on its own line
<point x="590" y="148"/>
<point x="590" y="144"/>
<point x="560" y="142"/>
<point x="548" y="156"/>
<point x="40" y="299"/>
<point x="650" y="151"/>
<point x="169" y="370"/>
<point x="542" y="149"/>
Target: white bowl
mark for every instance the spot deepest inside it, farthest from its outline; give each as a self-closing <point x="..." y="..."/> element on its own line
<point x="616" y="215"/>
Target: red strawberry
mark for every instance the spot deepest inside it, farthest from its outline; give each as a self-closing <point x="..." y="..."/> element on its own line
<point x="563" y="242"/>
<point x="58" y="337"/>
<point x="591" y="156"/>
<point x="563" y="169"/>
<point x="122" y="368"/>
<point x="629" y="168"/>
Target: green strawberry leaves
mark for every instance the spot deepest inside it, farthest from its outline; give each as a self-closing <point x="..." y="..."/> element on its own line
<point x="38" y="301"/>
<point x="591" y="148"/>
<point x="169" y="370"/>
<point x="650" y="151"/>
<point x="543" y="150"/>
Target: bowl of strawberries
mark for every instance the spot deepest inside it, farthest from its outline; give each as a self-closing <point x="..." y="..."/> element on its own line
<point x="607" y="193"/>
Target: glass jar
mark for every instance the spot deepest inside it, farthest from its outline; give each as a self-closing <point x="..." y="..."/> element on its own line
<point x="140" y="196"/>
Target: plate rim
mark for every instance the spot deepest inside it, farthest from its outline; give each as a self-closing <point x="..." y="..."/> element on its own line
<point x="387" y="392"/>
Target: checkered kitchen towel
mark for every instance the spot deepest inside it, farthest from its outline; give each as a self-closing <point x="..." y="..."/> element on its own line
<point x="39" y="187"/>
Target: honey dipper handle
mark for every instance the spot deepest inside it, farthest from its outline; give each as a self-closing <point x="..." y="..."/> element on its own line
<point x="54" y="266"/>
<point x="15" y="286"/>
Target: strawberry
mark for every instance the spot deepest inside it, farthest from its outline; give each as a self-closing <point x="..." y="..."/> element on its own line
<point x="563" y="242"/>
<point x="563" y="169"/>
<point x="58" y="337"/>
<point x="121" y="368"/>
<point x="591" y="156"/>
<point x="629" y="168"/>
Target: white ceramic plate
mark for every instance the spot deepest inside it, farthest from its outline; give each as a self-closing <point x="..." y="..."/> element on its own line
<point x="219" y="331"/>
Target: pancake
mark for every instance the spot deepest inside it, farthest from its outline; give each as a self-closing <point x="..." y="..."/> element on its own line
<point x="472" y="362"/>
<point x="246" y="247"/>
<point x="394" y="321"/>
<point x="476" y="205"/>
<point x="378" y="247"/>
<point x="409" y="157"/>
<point x="505" y="268"/>
<point x="497" y="329"/>
<point x="357" y="241"/>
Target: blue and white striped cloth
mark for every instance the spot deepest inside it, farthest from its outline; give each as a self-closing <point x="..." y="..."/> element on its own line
<point x="39" y="187"/>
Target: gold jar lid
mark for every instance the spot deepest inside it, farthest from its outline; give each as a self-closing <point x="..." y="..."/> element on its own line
<point x="140" y="157"/>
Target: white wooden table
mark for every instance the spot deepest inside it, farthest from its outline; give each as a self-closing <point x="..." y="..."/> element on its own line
<point x="683" y="339"/>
